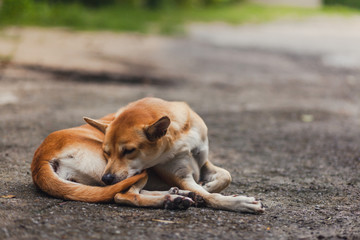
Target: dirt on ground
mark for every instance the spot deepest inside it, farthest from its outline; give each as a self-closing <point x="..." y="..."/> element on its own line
<point x="283" y="118"/>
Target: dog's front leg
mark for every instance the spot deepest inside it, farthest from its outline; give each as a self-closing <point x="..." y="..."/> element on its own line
<point x="218" y="201"/>
<point x="135" y="196"/>
<point x="181" y="172"/>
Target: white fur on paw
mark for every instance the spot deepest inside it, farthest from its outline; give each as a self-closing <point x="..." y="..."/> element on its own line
<point x="244" y="204"/>
<point x="207" y="186"/>
<point x="174" y="190"/>
<point x="248" y="199"/>
<point x="256" y="207"/>
<point x="249" y="204"/>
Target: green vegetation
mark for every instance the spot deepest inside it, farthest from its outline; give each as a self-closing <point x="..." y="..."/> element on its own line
<point x="349" y="3"/>
<point x="162" y="19"/>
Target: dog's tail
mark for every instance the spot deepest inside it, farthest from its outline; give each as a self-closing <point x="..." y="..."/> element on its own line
<point x="48" y="181"/>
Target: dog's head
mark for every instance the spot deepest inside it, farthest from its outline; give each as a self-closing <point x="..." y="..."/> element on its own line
<point x="133" y="142"/>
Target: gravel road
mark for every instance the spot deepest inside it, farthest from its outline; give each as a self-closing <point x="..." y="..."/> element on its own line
<point x="281" y="101"/>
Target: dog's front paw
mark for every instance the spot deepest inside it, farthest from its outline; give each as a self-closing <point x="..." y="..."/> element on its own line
<point x="256" y="207"/>
<point x="198" y="200"/>
<point x="175" y="202"/>
<point x="248" y="204"/>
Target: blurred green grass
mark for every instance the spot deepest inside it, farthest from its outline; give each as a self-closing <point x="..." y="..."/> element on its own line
<point x="168" y="20"/>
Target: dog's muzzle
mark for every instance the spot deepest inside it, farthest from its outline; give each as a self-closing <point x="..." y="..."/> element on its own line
<point x="108" y="179"/>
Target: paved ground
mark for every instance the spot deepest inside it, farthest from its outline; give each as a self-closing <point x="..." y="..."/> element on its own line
<point x="283" y="119"/>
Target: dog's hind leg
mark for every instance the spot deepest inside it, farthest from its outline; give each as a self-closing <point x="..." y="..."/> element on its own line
<point x="135" y="196"/>
<point x="214" y="179"/>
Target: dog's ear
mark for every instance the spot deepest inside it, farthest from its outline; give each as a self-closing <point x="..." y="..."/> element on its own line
<point x="98" y="124"/>
<point x="157" y="129"/>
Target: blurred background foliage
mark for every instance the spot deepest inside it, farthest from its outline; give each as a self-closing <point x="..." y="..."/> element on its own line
<point x="349" y="3"/>
<point x="148" y="16"/>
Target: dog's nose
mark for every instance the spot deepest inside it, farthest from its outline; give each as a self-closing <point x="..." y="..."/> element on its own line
<point x="108" y="178"/>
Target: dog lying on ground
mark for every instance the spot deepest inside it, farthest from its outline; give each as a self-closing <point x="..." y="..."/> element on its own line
<point x="106" y="160"/>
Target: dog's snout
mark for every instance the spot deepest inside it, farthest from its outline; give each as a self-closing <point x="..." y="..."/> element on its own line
<point x="108" y="179"/>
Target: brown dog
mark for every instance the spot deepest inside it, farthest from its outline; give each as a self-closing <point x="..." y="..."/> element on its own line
<point x="168" y="138"/>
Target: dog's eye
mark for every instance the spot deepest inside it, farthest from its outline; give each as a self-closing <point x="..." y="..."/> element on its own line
<point x="128" y="151"/>
<point x="107" y="154"/>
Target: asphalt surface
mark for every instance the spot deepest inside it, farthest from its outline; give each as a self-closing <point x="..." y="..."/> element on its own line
<point x="282" y="118"/>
